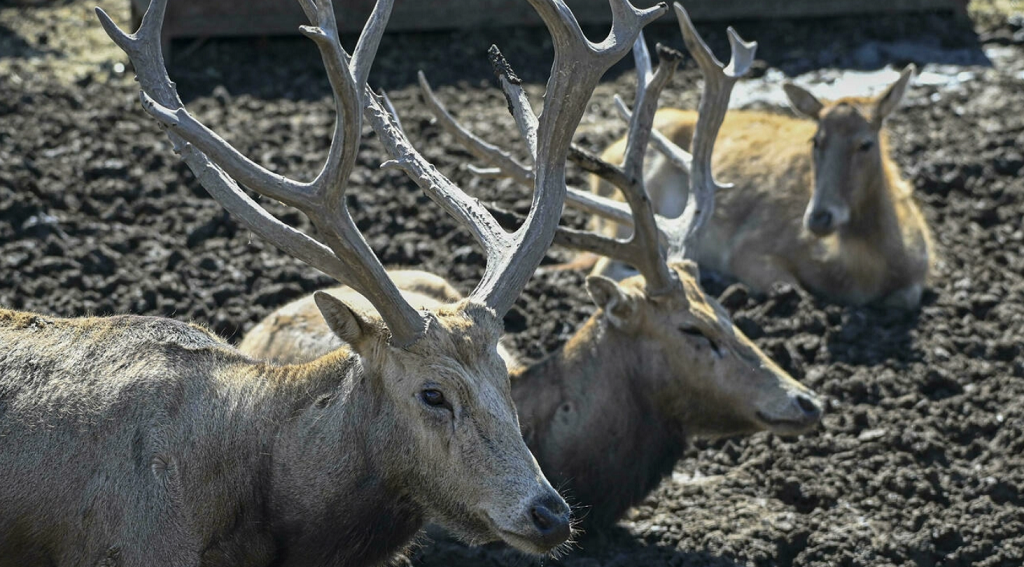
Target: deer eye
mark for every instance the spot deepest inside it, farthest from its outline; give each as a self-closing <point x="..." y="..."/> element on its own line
<point x="432" y="397"/>
<point x="866" y="145"/>
<point x="692" y="331"/>
<point x="697" y="333"/>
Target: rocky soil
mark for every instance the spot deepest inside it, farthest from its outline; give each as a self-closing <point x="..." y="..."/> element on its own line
<point x="920" y="459"/>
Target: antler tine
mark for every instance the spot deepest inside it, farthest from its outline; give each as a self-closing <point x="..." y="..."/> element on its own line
<point x="466" y="210"/>
<point x="369" y="40"/>
<point x="642" y="249"/>
<point x="647" y="254"/>
<point x="476" y="145"/>
<point x="518" y="103"/>
<point x="719" y="80"/>
<point x="504" y="165"/>
<point x="678" y="156"/>
<point x="217" y="165"/>
<point x="578" y="66"/>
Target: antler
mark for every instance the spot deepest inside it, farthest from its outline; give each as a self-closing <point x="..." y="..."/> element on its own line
<point x="642" y="248"/>
<point x="684" y="231"/>
<point x="681" y="233"/>
<point x="220" y="168"/>
<point x="578" y="66"/>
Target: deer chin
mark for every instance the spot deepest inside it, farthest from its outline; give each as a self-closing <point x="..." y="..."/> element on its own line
<point x="470" y="528"/>
<point x="788" y="425"/>
<point x="476" y="529"/>
<point x="524" y="543"/>
<point x="796" y="413"/>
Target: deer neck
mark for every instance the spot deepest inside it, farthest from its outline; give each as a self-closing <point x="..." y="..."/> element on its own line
<point x="334" y="492"/>
<point x="592" y="425"/>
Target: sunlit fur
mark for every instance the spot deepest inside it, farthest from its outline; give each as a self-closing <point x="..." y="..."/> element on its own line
<point x="878" y="245"/>
<point x="609" y="414"/>
<point x="128" y="440"/>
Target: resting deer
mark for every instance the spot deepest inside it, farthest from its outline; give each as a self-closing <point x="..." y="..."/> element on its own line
<point x="139" y="441"/>
<point x="819" y="202"/>
<point x="609" y="414"/>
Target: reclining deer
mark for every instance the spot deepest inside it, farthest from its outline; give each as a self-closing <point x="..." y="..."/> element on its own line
<point x="138" y="441"/>
<point x="819" y="203"/>
<point x="609" y="414"/>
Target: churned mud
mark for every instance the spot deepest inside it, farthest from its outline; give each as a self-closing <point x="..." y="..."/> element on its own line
<point x="920" y="459"/>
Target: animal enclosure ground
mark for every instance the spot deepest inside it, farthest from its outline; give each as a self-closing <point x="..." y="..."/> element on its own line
<point x="920" y="459"/>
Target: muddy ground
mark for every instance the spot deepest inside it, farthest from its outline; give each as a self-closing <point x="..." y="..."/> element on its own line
<point x="920" y="460"/>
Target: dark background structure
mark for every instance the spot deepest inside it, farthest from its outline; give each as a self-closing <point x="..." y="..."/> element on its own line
<point x="194" y="18"/>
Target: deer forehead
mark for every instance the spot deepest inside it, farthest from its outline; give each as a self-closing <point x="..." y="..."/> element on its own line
<point x="703" y="308"/>
<point x="688" y="301"/>
<point x="460" y="345"/>
<point x="467" y="327"/>
<point x="845" y="119"/>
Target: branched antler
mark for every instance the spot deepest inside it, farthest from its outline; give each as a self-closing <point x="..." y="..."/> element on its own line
<point x="220" y="168"/>
<point x="642" y="249"/>
<point x="684" y="232"/>
<point x="512" y="258"/>
<point x="680" y="234"/>
<point x="578" y="66"/>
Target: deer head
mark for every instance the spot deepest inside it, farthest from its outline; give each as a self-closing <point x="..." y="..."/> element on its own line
<point x="846" y="151"/>
<point x="434" y="376"/>
<point x="707" y="377"/>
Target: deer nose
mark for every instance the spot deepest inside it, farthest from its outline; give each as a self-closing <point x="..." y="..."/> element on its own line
<point x="810" y="407"/>
<point x="550" y="516"/>
<point x="820" y="222"/>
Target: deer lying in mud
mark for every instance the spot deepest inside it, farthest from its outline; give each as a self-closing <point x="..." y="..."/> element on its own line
<point x="609" y="414"/>
<point x="819" y="203"/>
<point x="143" y="441"/>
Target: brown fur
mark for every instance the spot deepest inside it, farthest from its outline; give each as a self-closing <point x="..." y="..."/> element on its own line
<point x="759" y="233"/>
<point x="129" y="440"/>
<point x="609" y="414"/>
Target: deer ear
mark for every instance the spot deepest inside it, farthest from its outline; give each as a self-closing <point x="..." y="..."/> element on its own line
<point x="802" y="101"/>
<point x="618" y="307"/>
<point x="348" y="325"/>
<point x="890" y="99"/>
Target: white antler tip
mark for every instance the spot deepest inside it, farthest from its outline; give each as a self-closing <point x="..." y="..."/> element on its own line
<point x="116" y="34"/>
<point x="654" y="12"/>
<point x="682" y="13"/>
<point x="743" y="53"/>
<point x="736" y="40"/>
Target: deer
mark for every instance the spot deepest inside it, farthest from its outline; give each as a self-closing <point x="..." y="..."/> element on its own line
<point x="820" y="205"/>
<point x="133" y="440"/>
<point x="660" y="362"/>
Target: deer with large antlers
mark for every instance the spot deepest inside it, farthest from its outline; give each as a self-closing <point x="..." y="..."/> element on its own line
<point x="138" y="441"/>
<point x="609" y="414"/>
<point x="819" y="203"/>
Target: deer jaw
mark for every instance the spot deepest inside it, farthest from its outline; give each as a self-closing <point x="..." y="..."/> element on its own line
<point x="705" y="375"/>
